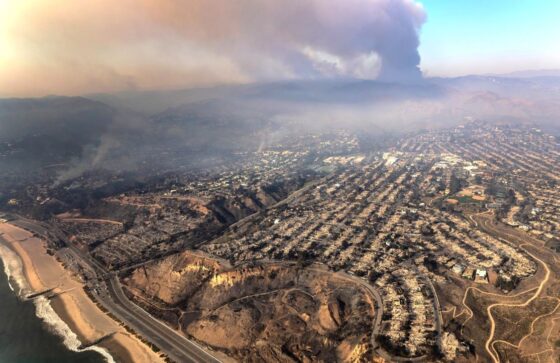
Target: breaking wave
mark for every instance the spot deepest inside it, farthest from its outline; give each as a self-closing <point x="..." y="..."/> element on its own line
<point x="13" y="268"/>
<point x="46" y="313"/>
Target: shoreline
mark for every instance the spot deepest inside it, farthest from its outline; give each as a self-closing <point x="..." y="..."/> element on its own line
<point x="72" y="314"/>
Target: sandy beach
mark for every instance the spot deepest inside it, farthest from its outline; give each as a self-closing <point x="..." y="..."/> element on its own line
<point x="82" y="316"/>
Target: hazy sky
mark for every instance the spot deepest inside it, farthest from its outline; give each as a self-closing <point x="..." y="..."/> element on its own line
<point x="76" y="47"/>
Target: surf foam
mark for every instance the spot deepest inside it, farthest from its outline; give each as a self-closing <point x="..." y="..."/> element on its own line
<point x="13" y="268"/>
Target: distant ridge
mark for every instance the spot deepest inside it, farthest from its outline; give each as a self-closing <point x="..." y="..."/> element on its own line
<point x="531" y="73"/>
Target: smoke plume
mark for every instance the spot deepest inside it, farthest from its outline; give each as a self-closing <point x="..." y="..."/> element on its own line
<point x="90" y="46"/>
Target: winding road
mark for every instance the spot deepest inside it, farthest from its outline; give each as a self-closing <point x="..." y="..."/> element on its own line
<point x="489" y="344"/>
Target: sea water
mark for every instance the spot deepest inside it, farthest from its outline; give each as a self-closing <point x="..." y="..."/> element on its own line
<point x="30" y="331"/>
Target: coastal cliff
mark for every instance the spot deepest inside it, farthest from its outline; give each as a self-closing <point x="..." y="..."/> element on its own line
<point x="258" y="312"/>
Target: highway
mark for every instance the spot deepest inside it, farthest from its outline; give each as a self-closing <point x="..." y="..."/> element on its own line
<point x="168" y="340"/>
<point x="110" y="294"/>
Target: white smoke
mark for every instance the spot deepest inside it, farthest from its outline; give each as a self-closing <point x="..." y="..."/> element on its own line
<point x="106" y="45"/>
<point x="356" y="38"/>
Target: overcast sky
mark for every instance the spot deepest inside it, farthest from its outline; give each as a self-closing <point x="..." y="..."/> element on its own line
<point x="75" y="47"/>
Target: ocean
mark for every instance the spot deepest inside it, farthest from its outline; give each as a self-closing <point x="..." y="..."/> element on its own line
<point x="30" y="332"/>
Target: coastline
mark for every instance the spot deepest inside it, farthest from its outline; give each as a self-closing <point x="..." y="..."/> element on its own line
<point x="71" y="314"/>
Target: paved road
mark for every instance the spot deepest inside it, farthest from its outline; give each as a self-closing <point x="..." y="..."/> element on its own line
<point x="379" y="301"/>
<point x="169" y="341"/>
<point x="437" y="308"/>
